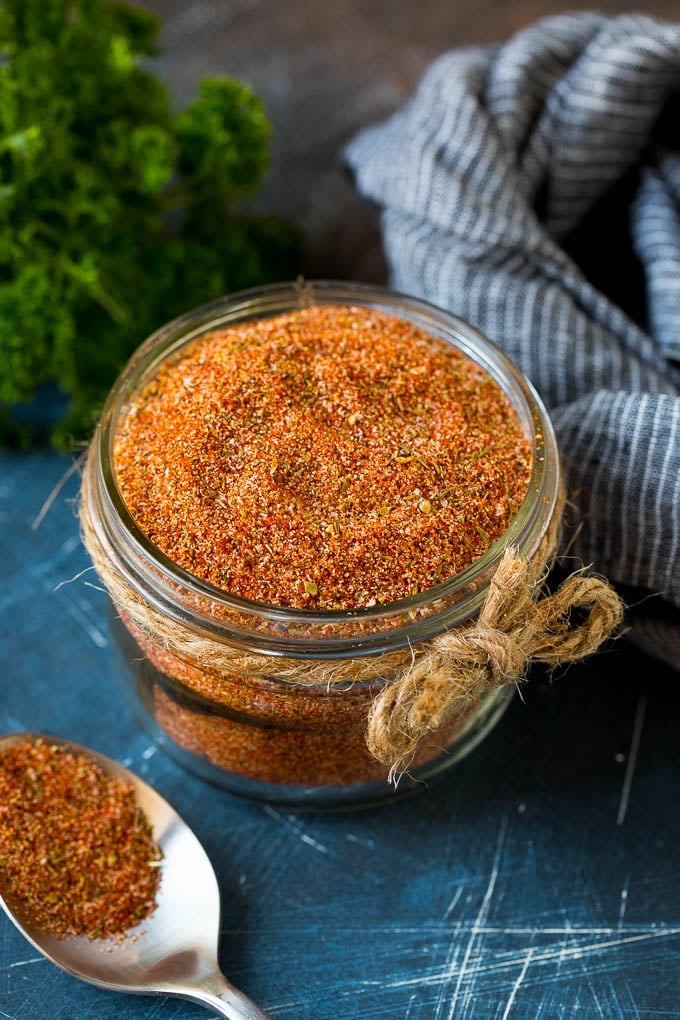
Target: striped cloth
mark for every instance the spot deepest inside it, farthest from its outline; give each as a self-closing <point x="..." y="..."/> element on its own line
<point x="533" y="188"/>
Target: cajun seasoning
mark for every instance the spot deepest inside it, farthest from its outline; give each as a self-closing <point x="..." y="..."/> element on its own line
<point x="327" y="458"/>
<point x="77" y="854"/>
<point x="318" y="455"/>
<point x="267" y="732"/>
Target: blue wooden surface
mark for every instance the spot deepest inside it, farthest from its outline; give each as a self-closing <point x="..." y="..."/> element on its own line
<point x="540" y="879"/>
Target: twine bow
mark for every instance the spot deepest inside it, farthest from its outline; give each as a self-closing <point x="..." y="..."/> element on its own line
<point x="420" y="687"/>
<point x="515" y="627"/>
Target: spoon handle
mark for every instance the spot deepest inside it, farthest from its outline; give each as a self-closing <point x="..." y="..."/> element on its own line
<point x="227" y="1000"/>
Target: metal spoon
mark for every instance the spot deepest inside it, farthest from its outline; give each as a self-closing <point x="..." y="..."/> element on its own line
<point x="176" y="951"/>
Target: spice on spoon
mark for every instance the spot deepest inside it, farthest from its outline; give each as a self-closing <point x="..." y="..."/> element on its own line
<point x="77" y="853"/>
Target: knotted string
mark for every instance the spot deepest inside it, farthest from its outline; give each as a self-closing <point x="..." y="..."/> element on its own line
<point x="515" y="628"/>
<point x="420" y="686"/>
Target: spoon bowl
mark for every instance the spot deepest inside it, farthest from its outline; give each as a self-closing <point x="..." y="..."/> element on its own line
<point x="174" y="950"/>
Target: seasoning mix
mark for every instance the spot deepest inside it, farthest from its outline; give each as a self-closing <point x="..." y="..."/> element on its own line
<point x="319" y="479"/>
<point x="77" y="854"/>
<point x="329" y="458"/>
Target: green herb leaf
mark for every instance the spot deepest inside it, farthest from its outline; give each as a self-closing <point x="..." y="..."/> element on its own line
<point x="117" y="213"/>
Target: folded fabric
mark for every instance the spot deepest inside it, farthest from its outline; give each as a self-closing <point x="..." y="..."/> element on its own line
<point x="533" y="189"/>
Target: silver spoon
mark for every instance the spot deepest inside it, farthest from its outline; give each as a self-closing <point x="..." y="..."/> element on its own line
<point x="176" y="951"/>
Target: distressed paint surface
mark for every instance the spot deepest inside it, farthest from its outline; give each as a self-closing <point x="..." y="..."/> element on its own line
<point x="540" y="879"/>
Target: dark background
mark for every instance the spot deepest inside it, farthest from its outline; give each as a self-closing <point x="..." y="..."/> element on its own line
<point x="325" y="70"/>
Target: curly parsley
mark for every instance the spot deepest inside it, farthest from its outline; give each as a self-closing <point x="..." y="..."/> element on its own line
<point x="117" y="212"/>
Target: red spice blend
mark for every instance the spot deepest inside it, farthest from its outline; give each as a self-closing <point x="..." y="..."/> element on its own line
<point x="327" y="458"/>
<point x="77" y="855"/>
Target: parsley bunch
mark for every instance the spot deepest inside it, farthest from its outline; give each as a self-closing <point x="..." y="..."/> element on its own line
<point x="117" y="212"/>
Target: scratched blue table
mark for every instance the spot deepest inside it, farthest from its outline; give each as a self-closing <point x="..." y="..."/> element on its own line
<point x="540" y="879"/>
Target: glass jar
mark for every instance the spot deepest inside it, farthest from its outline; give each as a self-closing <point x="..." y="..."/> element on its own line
<point x="259" y="735"/>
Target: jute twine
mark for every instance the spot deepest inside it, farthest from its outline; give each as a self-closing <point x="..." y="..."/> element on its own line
<point x="519" y="623"/>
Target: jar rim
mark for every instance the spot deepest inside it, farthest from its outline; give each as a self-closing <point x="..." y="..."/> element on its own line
<point x="286" y="630"/>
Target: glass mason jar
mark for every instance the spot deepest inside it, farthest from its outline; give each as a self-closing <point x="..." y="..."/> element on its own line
<point x="260" y="735"/>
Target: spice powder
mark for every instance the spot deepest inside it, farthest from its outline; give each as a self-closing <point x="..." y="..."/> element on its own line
<point x="328" y="458"/>
<point x="77" y="855"/>
<point x="332" y="457"/>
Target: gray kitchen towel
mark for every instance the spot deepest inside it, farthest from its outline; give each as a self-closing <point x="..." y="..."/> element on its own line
<point x="533" y="189"/>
